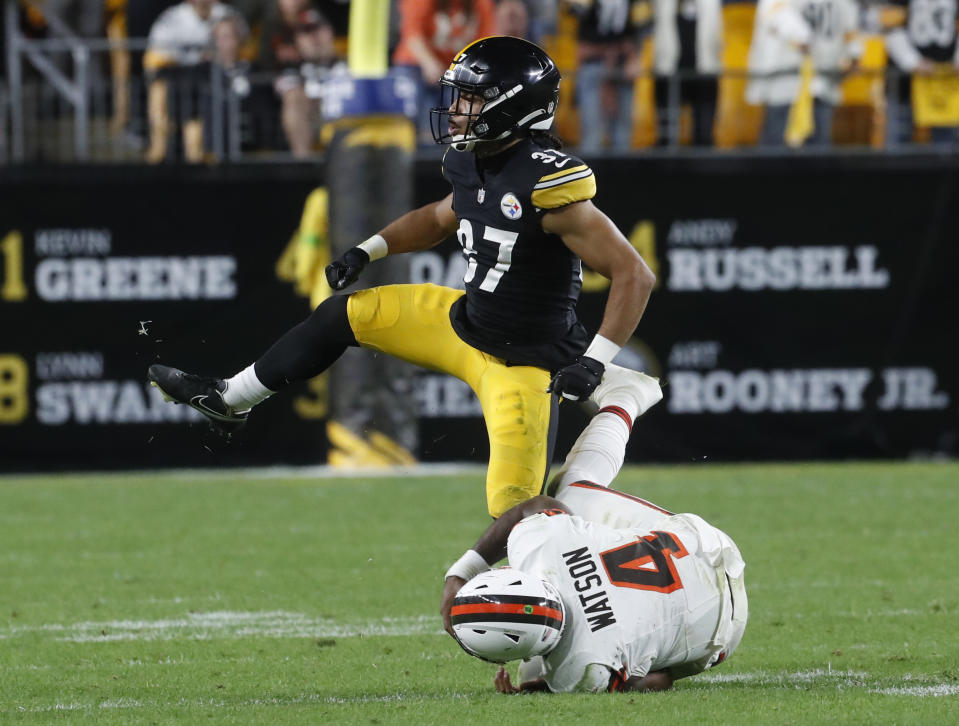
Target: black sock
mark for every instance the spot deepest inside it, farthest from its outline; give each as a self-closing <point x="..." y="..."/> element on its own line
<point x="309" y="348"/>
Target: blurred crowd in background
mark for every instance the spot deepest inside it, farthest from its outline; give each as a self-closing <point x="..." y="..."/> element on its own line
<point x="173" y="79"/>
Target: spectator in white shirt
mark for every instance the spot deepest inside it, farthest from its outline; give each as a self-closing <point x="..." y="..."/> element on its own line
<point x="177" y="62"/>
<point x="785" y="33"/>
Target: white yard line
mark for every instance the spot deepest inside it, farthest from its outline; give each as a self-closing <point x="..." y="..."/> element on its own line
<point x="940" y="689"/>
<point x="228" y="624"/>
<point x="841" y="679"/>
<point x="773" y="678"/>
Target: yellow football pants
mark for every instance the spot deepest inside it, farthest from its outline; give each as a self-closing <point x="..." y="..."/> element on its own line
<point x="412" y="322"/>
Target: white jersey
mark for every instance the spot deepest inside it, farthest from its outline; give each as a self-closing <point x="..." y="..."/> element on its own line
<point x="667" y="594"/>
<point x="183" y="36"/>
<point x="829" y="28"/>
<point x="918" y="29"/>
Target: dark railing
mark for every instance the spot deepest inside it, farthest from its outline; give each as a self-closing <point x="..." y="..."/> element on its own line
<point x="63" y="100"/>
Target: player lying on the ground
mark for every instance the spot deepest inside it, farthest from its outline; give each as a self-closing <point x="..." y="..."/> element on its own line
<point x="606" y="591"/>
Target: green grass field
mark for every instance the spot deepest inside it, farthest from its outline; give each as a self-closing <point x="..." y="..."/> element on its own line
<point x="130" y="598"/>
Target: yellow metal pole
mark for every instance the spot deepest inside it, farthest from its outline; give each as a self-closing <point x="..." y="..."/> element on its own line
<point x="369" y="38"/>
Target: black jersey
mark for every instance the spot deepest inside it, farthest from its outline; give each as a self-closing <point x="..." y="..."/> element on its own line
<point x="522" y="283"/>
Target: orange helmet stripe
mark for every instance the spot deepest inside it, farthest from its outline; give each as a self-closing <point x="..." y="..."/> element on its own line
<point x="509" y="608"/>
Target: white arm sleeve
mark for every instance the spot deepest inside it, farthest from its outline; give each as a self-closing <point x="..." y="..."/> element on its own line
<point x="901" y="50"/>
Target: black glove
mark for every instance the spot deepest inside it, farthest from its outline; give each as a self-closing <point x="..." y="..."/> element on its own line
<point x="577" y="380"/>
<point x="344" y="271"/>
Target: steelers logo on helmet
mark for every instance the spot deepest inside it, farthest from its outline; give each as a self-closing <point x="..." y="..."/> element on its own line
<point x="506" y="614"/>
<point x="510" y="207"/>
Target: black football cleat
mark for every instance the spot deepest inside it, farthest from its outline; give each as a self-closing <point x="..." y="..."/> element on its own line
<point x="199" y="392"/>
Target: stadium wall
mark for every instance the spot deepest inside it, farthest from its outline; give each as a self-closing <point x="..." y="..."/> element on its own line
<point x="805" y="309"/>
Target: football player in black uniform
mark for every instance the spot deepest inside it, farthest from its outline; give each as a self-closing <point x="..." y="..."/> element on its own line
<point x="521" y="211"/>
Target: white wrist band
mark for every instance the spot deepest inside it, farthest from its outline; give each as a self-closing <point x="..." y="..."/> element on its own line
<point x="468" y="566"/>
<point x="602" y="350"/>
<point x="375" y="247"/>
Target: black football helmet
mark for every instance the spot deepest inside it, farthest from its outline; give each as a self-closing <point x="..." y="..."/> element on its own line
<point x="515" y="85"/>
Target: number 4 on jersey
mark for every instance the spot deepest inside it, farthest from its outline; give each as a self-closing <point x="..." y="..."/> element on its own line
<point x="646" y="564"/>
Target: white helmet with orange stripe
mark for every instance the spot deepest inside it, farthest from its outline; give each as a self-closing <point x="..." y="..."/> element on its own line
<point x="505" y="614"/>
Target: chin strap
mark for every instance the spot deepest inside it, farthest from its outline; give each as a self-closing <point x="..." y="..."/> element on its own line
<point x="463" y="145"/>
